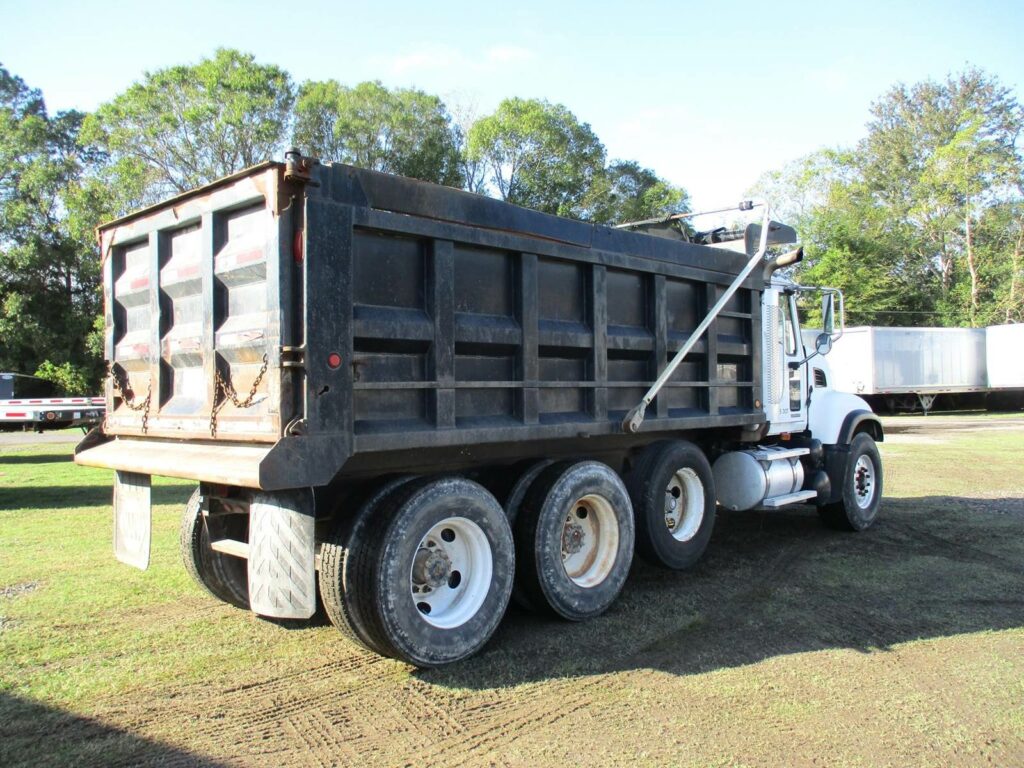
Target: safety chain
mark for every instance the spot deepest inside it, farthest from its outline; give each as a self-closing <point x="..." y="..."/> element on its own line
<point x="224" y="387"/>
<point x="122" y="386"/>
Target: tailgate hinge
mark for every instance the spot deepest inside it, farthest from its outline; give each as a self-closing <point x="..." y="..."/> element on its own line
<point x="293" y="357"/>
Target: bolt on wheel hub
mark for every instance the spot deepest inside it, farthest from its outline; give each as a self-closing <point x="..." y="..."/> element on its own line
<point x="863" y="481"/>
<point x="684" y="504"/>
<point x="431" y="567"/>
<point x="572" y="538"/>
<point x="451" y="572"/>
<point x="590" y="539"/>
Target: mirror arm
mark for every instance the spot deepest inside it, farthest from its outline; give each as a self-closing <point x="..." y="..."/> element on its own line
<point x="795" y="365"/>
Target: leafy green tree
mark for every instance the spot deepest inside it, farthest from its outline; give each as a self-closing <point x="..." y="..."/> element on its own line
<point x="917" y="200"/>
<point x="998" y="285"/>
<point x="403" y="131"/>
<point x="626" y="191"/>
<point x="71" y="378"/>
<point x="936" y="154"/>
<point x="188" y="125"/>
<point x="538" y="155"/>
<point x="49" y="273"/>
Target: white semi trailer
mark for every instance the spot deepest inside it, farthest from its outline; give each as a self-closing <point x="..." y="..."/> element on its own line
<point x="906" y="368"/>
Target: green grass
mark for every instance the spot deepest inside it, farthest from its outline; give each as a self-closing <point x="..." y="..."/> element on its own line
<point x="78" y="624"/>
<point x="974" y="463"/>
<point x="904" y="640"/>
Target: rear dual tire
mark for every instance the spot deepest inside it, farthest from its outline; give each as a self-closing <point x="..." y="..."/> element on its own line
<point x="574" y="539"/>
<point x="223" y="576"/>
<point x="424" y="572"/>
<point x="673" y="493"/>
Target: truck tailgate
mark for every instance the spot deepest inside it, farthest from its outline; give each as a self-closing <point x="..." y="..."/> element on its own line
<point x="194" y="312"/>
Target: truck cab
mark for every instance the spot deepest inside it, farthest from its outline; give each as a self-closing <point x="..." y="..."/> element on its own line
<point x="799" y="396"/>
<point x="817" y="444"/>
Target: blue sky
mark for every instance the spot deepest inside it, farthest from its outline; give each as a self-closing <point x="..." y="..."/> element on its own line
<point x="710" y="95"/>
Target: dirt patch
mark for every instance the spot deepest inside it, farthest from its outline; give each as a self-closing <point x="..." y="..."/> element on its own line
<point x="15" y="590"/>
<point x="818" y="643"/>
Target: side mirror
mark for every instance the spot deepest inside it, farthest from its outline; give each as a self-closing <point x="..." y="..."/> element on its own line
<point x="823" y="344"/>
<point x="828" y="316"/>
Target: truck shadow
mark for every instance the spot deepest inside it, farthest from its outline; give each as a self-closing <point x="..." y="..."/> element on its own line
<point x="36" y="458"/>
<point x="72" y="739"/>
<point x="48" y="497"/>
<point x="780" y="583"/>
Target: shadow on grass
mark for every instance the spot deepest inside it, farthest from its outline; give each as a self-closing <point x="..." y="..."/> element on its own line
<point x="74" y="740"/>
<point x="779" y="583"/>
<point x="46" y="497"/>
<point x="40" y="458"/>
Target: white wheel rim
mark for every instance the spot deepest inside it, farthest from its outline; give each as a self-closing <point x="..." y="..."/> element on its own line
<point x="864" y="481"/>
<point x="684" y="504"/>
<point x="590" y="540"/>
<point x="451" y="573"/>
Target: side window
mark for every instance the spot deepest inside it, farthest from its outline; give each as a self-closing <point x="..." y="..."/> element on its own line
<point x="788" y="329"/>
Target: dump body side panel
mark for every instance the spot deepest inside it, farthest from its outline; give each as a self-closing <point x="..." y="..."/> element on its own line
<point x="464" y="331"/>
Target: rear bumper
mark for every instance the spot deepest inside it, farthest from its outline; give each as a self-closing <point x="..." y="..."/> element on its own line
<point x="237" y="465"/>
<point x="291" y="462"/>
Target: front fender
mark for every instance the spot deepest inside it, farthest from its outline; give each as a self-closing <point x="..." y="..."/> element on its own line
<point x="835" y="417"/>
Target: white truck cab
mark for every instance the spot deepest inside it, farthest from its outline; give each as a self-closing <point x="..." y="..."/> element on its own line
<point x="817" y="444"/>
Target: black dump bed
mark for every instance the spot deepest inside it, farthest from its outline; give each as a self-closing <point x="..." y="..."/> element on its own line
<point x="405" y="325"/>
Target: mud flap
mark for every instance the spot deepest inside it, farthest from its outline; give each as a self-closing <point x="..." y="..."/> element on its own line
<point x="133" y="518"/>
<point x="282" y="573"/>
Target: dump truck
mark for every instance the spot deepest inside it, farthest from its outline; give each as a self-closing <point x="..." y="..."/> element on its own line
<point x="408" y="404"/>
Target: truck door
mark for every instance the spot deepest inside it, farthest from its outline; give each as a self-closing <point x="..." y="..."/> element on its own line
<point x="785" y="383"/>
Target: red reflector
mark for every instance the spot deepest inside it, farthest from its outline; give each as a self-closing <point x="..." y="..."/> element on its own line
<point x="14" y="415"/>
<point x="334" y="360"/>
<point x="297" y="247"/>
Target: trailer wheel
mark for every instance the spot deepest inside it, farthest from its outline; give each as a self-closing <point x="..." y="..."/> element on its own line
<point x="673" y="493"/>
<point x="346" y="611"/>
<point x="435" y="574"/>
<point x="861" y="488"/>
<point x="574" y="539"/>
<point x="223" y="576"/>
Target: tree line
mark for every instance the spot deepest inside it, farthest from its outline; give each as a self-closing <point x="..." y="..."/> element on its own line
<point x="185" y="126"/>
<point x="920" y="223"/>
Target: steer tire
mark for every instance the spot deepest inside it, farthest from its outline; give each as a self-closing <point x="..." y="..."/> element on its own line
<point x="348" y="533"/>
<point x="413" y="520"/>
<point x="571" y="575"/>
<point x="861" y="496"/>
<point x="223" y="576"/>
<point x="681" y="469"/>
